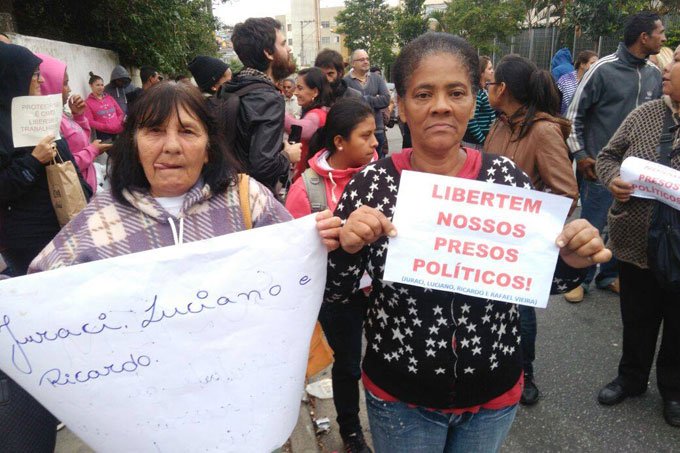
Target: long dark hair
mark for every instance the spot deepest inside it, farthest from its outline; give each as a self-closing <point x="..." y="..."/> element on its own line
<point x="315" y="78"/>
<point x="153" y="109"/>
<point x="534" y="88"/>
<point x="342" y="119"/>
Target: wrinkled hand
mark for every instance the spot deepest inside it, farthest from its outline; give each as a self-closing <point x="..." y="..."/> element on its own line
<point x="581" y="245"/>
<point x="294" y="151"/>
<point x="102" y="147"/>
<point x="329" y="229"/>
<point x="620" y="189"/>
<point x="45" y="150"/>
<point x="587" y="168"/>
<point x="364" y="226"/>
<point x="76" y="104"/>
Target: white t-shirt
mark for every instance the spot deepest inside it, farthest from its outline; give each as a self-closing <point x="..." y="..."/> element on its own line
<point x="172" y="204"/>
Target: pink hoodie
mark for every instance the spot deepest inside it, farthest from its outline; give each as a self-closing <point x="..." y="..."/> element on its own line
<point x="335" y="181"/>
<point x="76" y="130"/>
<point x="104" y="114"/>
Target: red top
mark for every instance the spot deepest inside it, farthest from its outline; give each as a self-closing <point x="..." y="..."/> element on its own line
<point x="470" y="170"/>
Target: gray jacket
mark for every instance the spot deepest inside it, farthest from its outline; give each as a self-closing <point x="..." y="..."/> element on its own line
<point x="611" y="89"/>
<point x="375" y="93"/>
<point x="120" y="94"/>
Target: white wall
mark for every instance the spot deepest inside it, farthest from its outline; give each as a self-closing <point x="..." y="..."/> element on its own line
<point x="80" y="60"/>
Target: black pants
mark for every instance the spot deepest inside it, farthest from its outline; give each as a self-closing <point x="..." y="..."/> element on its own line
<point x="17" y="260"/>
<point x="527" y="322"/>
<point x="25" y="425"/>
<point x="644" y="306"/>
<point x="343" y="326"/>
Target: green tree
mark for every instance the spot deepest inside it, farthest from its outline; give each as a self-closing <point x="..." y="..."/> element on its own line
<point x="480" y="21"/>
<point x="165" y="34"/>
<point x="606" y="17"/>
<point x="369" y="25"/>
<point x="410" y="21"/>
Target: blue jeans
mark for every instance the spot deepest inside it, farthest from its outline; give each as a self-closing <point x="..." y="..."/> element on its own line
<point x="382" y="139"/>
<point x="397" y="428"/>
<point x="527" y="323"/>
<point x="595" y="203"/>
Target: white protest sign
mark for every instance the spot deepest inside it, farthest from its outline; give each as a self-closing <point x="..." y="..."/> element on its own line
<point x="200" y="347"/>
<point x="471" y="237"/>
<point x="652" y="181"/>
<point x="34" y="117"/>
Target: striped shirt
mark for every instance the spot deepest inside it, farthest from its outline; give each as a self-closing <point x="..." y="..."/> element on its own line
<point x="567" y="86"/>
<point x="479" y="126"/>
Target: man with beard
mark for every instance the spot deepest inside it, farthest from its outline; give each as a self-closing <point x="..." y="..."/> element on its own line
<point x="331" y="64"/>
<point x="258" y="135"/>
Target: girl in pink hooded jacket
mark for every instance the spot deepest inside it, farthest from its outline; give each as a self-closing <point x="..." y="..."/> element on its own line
<point x="103" y="112"/>
<point x="74" y="129"/>
<point x="350" y="143"/>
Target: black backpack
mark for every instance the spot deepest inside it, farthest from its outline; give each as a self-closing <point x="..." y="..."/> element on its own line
<point x="663" y="240"/>
<point x="229" y="108"/>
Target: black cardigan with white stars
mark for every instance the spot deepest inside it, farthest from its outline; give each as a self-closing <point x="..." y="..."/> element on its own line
<point x="427" y="347"/>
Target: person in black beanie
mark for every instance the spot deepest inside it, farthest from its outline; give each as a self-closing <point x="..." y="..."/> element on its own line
<point x="210" y="73"/>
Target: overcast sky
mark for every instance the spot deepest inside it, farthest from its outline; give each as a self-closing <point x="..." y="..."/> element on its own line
<point x="239" y="10"/>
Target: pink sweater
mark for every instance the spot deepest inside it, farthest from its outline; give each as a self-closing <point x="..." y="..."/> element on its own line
<point x="76" y="131"/>
<point x="104" y="114"/>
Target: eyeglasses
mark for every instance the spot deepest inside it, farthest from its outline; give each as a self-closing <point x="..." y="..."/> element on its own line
<point x="488" y="84"/>
<point x="36" y="75"/>
<point x="361" y="59"/>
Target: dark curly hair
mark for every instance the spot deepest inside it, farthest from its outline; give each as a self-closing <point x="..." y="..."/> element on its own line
<point x="154" y="108"/>
<point x="252" y="37"/>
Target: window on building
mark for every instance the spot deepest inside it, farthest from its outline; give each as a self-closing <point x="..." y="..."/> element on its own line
<point x="325" y="24"/>
<point x="325" y="40"/>
<point x="290" y="27"/>
<point x="337" y="39"/>
<point x="290" y="41"/>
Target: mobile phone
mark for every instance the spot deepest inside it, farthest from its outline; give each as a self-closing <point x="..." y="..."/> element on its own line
<point x="295" y="134"/>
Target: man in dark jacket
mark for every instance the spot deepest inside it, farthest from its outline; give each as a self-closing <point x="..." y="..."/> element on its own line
<point x="608" y="92"/>
<point x="264" y="52"/>
<point x="331" y="64"/>
<point x="120" y="86"/>
<point x="373" y="89"/>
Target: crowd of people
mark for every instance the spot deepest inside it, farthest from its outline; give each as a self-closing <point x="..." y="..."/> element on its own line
<point x="238" y="151"/>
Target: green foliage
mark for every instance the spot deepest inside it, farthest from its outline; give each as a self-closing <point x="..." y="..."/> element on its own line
<point x="165" y="34"/>
<point x="606" y="17"/>
<point x="369" y="25"/>
<point x="410" y="21"/>
<point x="235" y="65"/>
<point x="673" y="38"/>
<point x="480" y="21"/>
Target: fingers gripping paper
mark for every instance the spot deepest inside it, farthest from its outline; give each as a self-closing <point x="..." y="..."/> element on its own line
<point x="200" y="347"/>
<point x="487" y="240"/>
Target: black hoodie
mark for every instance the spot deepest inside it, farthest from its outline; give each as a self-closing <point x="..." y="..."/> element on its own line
<point x="27" y="219"/>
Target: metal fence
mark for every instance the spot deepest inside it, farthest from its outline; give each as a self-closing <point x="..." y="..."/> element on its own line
<point x="540" y="44"/>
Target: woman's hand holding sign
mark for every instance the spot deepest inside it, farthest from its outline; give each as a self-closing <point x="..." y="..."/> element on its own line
<point x="364" y="226"/>
<point x="581" y="245"/>
<point x="620" y="189"/>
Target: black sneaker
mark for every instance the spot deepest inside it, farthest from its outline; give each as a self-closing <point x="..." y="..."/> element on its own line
<point x="355" y="443"/>
<point x="530" y="393"/>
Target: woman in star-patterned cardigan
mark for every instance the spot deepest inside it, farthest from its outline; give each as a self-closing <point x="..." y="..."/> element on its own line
<point x="435" y="358"/>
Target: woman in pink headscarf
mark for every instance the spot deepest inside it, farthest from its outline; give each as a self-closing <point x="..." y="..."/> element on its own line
<point x="75" y="128"/>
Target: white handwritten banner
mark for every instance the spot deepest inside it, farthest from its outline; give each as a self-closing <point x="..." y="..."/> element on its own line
<point x="34" y="117"/>
<point x="200" y="347"/>
<point x="486" y="240"/>
<point x="652" y="181"/>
